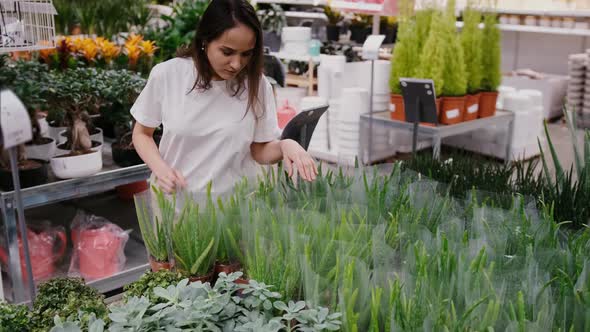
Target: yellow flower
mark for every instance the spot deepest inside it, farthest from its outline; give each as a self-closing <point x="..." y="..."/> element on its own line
<point x="89" y="49"/>
<point x="134" y="39"/>
<point x="109" y="50"/>
<point x="148" y="47"/>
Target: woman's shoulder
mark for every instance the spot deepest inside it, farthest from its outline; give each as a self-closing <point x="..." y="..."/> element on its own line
<point x="173" y="67"/>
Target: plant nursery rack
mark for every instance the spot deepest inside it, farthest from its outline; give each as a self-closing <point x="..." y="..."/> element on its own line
<point x="56" y="191"/>
<point x="436" y="134"/>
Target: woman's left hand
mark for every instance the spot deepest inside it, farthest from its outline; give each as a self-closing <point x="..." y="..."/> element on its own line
<point x="294" y="155"/>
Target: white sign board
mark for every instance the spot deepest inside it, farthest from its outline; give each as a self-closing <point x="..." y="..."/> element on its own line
<point x="14" y="120"/>
<point x="371" y="47"/>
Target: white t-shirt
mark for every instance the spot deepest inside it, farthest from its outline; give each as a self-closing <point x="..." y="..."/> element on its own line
<point x="207" y="134"/>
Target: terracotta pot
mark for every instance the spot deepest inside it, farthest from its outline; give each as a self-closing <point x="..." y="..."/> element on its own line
<point x="157" y="265"/>
<point x="471" y="107"/>
<point x="204" y="278"/>
<point x="396" y="107"/>
<point x="227" y="268"/>
<point x="43" y="252"/>
<point x="487" y="104"/>
<point x="127" y="191"/>
<point x="241" y="281"/>
<point x="452" y="111"/>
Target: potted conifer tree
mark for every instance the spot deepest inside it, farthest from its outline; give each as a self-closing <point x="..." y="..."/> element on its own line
<point x="403" y="64"/>
<point x="491" y="61"/>
<point x="432" y="58"/>
<point x="455" y="82"/>
<point x="471" y="38"/>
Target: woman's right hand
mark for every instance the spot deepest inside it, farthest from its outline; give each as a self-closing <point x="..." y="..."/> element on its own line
<point x="169" y="179"/>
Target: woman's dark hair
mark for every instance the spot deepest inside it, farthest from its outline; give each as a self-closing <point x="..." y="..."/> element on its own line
<point x="222" y="15"/>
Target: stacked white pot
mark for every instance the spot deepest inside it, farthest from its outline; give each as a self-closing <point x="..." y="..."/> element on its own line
<point x="330" y="71"/>
<point x="354" y="102"/>
<point x="575" y="89"/>
<point x="296" y="40"/>
<point x="319" y="139"/>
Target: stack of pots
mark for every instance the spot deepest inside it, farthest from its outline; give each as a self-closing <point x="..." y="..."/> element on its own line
<point x="319" y="139"/>
<point x="576" y="98"/>
<point x="354" y="102"/>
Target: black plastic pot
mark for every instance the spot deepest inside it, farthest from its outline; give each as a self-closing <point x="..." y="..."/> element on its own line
<point x="124" y="156"/>
<point x="107" y="126"/>
<point x="359" y="34"/>
<point x="271" y="40"/>
<point x="390" y="33"/>
<point x="28" y="177"/>
<point x="333" y="32"/>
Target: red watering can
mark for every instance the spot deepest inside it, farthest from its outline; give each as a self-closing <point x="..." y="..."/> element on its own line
<point x="41" y="249"/>
<point x="100" y="250"/>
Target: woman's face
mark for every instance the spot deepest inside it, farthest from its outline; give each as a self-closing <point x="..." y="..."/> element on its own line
<point x="231" y="52"/>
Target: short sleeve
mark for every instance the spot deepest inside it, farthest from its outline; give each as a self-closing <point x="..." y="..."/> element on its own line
<point x="147" y="109"/>
<point x="267" y="126"/>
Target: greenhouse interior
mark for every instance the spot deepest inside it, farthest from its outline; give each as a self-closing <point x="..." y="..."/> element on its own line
<point x="294" y="165"/>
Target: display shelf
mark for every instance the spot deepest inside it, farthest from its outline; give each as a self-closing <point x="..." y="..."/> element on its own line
<point x="300" y="81"/>
<point x="61" y="190"/>
<point x="304" y="15"/>
<point x="544" y="12"/>
<point x="295" y="57"/>
<point x="539" y="29"/>
<point x="293" y="2"/>
<point x="357" y="6"/>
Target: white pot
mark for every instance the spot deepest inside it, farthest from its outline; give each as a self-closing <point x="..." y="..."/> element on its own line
<point x="297" y="34"/>
<point x="545" y="22"/>
<point x="77" y="166"/>
<point x="98" y="137"/>
<point x="41" y="152"/>
<point x="515" y="102"/>
<point x="53" y="132"/>
<point x="61" y="152"/>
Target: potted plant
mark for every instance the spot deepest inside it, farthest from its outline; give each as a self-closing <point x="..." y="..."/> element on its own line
<point x="272" y="23"/>
<point x="403" y="64"/>
<point x="471" y="38"/>
<point x="360" y="28"/>
<point x="27" y="80"/>
<point x="78" y="93"/>
<point x="491" y="62"/>
<point x="332" y="29"/>
<point x="229" y="253"/>
<point x="388" y="27"/>
<point x="195" y="239"/>
<point x="455" y="81"/>
<point x="155" y="215"/>
<point x="432" y="59"/>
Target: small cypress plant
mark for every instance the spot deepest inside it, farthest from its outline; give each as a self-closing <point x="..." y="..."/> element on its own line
<point x="471" y="38"/>
<point x="492" y="54"/>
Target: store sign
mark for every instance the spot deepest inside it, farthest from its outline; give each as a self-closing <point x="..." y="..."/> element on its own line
<point x="15" y="123"/>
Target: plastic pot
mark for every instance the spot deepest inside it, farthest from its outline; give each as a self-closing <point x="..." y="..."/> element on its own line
<point x="124" y="156"/>
<point x="487" y="104"/>
<point x="32" y="172"/>
<point x="452" y="110"/>
<point x="127" y="191"/>
<point x="99" y="251"/>
<point x="396" y="107"/>
<point x="67" y="167"/>
<point x="157" y="265"/>
<point x="204" y="278"/>
<point x="333" y="32"/>
<point x="227" y="268"/>
<point x="471" y="107"/>
<point x="41" y="151"/>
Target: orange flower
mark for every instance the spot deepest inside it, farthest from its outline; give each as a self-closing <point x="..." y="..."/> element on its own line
<point x="46" y="53"/>
<point x="66" y="44"/>
<point x="133" y="52"/>
<point x="148" y="47"/>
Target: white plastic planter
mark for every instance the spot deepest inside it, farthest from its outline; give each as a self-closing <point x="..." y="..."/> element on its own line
<point x="53" y="132"/>
<point x="61" y="152"/>
<point x="296" y="40"/>
<point x="77" y="166"/>
<point x="98" y="137"/>
<point x="41" y="152"/>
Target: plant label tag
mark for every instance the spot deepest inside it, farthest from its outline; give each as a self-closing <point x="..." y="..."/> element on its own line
<point x="451" y="114"/>
<point x="14" y="120"/>
<point x="473" y="109"/>
<point x="392" y="108"/>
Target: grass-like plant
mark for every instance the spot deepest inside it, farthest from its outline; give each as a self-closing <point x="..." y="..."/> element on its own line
<point x="153" y="221"/>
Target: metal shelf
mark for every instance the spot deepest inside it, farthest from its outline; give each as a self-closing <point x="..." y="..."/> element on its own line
<point x="61" y="190"/>
<point x="357" y="6"/>
<point x="539" y="29"/>
<point x="293" y="2"/>
<point x="294" y="57"/>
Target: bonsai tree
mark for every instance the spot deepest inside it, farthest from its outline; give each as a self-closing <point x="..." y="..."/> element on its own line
<point x="79" y="93"/>
<point x="492" y="75"/>
<point x="432" y="59"/>
<point x="471" y="39"/>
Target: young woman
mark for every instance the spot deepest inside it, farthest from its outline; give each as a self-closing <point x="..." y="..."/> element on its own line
<point x="217" y="109"/>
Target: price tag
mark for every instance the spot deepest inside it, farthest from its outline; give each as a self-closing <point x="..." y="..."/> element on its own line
<point x="14" y="120"/>
<point x="371" y="47"/>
